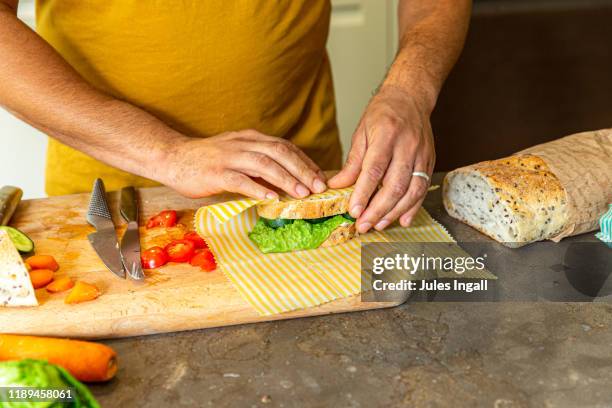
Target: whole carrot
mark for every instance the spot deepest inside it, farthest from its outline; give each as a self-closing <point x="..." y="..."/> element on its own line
<point x="87" y="361"/>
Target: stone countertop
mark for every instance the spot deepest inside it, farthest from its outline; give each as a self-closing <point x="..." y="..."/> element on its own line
<point x="418" y="354"/>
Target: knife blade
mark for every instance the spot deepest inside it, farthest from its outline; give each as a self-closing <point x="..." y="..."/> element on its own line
<point x="130" y="243"/>
<point x="104" y="240"/>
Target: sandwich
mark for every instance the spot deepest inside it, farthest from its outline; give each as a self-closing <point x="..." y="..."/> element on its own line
<point x="297" y="224"/>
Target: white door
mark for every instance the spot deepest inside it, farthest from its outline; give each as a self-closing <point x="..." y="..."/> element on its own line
<point x="361" y="46"/>
<point x="22" y="151"/>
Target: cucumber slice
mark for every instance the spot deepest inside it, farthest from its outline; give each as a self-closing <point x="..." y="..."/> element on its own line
<point x="318" y="220"/>
<point x="277" y="223"/>
<point x="348" y="217"/>
<point x="22" y="242"/>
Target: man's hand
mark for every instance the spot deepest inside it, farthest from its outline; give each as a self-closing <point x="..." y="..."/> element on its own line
<point x="233" y="162"/>
<point x="393" y="140"/>
<point x="394" y="137"/>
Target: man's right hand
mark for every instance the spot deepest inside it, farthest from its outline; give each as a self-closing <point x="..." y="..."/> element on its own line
<point x="234" y="162"/>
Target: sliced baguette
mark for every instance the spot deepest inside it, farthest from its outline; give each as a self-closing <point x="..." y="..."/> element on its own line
<point x="317" y="206"/>
<point x="515" y="200"/>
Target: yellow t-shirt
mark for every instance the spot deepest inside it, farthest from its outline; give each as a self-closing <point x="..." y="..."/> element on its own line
<point x="201" y="66"/>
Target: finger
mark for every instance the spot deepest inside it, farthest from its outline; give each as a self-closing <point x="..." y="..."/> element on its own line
<point x="416" y="192"/>
<point x="408" y="217"/>
<point x="308" y="160"/>
<point x="374" y="167"/>
<point x="401" y="208"/>
<point x="287" y="156"/>
<point x="350" y="171"/>
<point x="257" y="164"/>
<point x="279" y="149"/>
<point x="394" y="189"/>
<point x="236" y="182"/>
<point x="258" y="136"/>
<point x="273" y="139"/>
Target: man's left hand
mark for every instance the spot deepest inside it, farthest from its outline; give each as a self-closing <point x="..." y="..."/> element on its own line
<point x="393" y="140"/>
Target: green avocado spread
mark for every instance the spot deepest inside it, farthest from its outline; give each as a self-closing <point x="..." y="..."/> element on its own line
<point x="292" y="235"/>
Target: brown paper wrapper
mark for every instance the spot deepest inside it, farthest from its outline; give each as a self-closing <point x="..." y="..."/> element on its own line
<point x="583" y="164"/>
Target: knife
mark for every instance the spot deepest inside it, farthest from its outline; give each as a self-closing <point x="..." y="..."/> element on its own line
<point x="9" y="200"/>
<point x="130" y="243"/>
<point x="104" y="240"/>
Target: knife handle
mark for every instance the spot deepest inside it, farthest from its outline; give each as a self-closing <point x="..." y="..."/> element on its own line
<point x="129" y="204"/>
<point x="9" y="200"/>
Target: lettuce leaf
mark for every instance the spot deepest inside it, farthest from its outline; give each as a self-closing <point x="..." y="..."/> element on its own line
<point x="294" y="236"/>
<point x="41" y="374"/>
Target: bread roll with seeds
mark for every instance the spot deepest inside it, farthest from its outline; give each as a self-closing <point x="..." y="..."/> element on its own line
<point x="515" y="200"/>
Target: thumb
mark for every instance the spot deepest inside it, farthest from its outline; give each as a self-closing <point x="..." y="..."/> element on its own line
<point x="349" y="173"/>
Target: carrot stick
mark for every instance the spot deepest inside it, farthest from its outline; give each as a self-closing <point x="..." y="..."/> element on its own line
<point x="42" y="262"/>
<point x="86" y="361"/>
<point x="41" y="277"/>
<point x="60" y="285"/>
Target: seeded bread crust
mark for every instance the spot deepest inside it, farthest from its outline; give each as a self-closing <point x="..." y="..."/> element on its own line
<point x="340" y="235"/>
<point x="515" y="200"/>
<point x="306" y="208"/>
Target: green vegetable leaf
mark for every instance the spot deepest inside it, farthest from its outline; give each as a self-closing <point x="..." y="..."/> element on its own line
<point x="41" y="374"/>
<point x="298" y="235"/>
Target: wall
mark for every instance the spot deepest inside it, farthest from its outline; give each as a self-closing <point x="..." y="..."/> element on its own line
<point x="531" y="71"/>
<point x="22" y="156"/>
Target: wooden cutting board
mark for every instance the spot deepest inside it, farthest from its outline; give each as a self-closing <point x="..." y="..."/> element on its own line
<point x="173" y="298"/>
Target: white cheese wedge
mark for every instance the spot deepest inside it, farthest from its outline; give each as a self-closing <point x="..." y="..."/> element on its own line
<point x="15" y="285"/>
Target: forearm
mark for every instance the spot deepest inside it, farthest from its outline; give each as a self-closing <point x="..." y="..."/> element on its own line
<point x="431" y="37"/>
<point x="38" y="86"/>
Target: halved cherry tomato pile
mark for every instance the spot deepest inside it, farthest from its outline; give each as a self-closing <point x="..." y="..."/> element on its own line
<point x="190" y="249"/>
<point x="180" y="250"/>
<point x="154" y="258"/>
<point x="164" y="219"/>
<point x="205" y="260"/>
<point x="197" y="240"/>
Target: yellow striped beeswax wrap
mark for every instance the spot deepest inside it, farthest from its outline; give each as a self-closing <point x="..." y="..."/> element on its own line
<point x="281" y="282"/>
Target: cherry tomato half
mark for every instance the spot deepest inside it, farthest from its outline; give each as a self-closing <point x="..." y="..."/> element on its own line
<point x="180" y="250"/>
<point x="154" y="257"/>
<point x="165" y="219"/>
<point x="205" y="260"/>
<point x="198" y="241"/>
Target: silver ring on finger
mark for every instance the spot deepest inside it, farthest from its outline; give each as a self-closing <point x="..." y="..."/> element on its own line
<point x="422" y="175"/>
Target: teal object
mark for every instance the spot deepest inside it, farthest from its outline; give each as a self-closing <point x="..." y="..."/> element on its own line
<point x="605" y="224"/>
